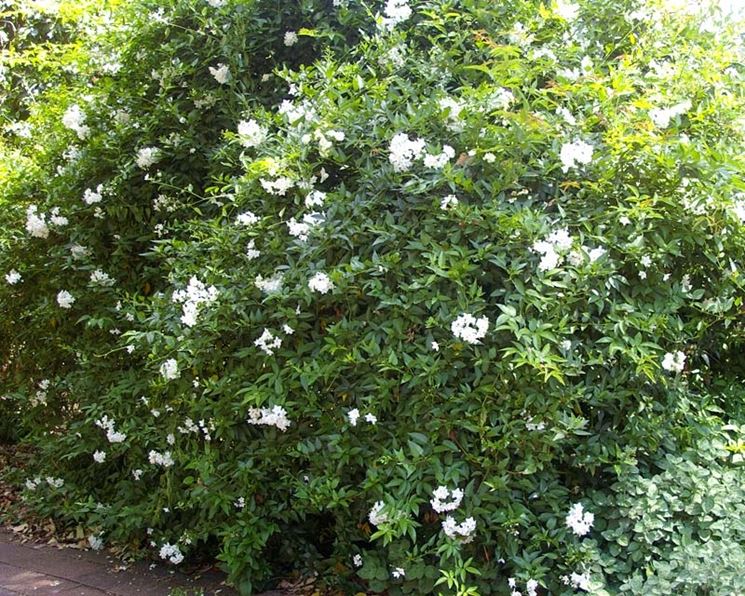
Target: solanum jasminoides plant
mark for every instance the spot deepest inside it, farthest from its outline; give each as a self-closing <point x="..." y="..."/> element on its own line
<point x="412" y="294"/>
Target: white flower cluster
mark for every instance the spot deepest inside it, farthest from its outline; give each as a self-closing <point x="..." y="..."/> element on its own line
<point x="325" y="139"/>
<point x="271" y="284"/>
<point x="674" y="362"/>
<point x="579" y="520"/>
<point x="403" y="152"/>
<point x="278" y="186"/>
<point x="354" y="416"/>
<point x="357" y="560"/>
<point x="40" y="397"/>
<point x="463" y="531"/>
<point x="36" y="223"/>
<point x="101" y="278"/>
<point x="74" y="119"/>
<point x="446" y="500"/>
<point x="221" y="73"/>
<point x="376" y="514"/>
<point x="294" y="113"/>
<point x="396" y="11"/>
<point x="251" y="252"/>
<point x="99" y="456"/>
<point x="302" y="229"/>
<point x="315" y="198"/>
<point x="398" y="573"/>
<point x="290" y="38"/>
<point x="501" y="99"/>
<point x="164" y="459"/>
<point x="91" y="197"/>
<point x="577" y="152"/>
<point x="275" y="416"/>
<point x="249" y="218"/>
<point x="251" y="133"/>
<point x="448" y="201"/>
<point x="109" y="426"/>
<point x="13" y="277"/>
<point x="531" y="587"/>
<point x="661" y="116"/>
<point x="65" y="299"/>
<point x="578" y="581"/>
<point x="147" y="156"/>
<point x="169" y="369"/>
<point x="320" y="282"/>
<point x="556" y="243"/>
<point x="268" y="342"/>
<point x="439" y="161"/>
<point x="566" y="10"/>
<point x="172" y="553"/>
<point x="470" y="329"/>
<point x="194" y="297"/>
<point x="34" y="483"/>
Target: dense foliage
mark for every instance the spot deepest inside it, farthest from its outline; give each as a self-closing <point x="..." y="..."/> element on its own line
<point x="428" y="296"/>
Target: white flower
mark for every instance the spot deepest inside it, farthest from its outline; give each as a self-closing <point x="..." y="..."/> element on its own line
<point x="147" y="156"/>
<point x="275" y="416"/>
<point x="137" y="474"/>
<point x="661" y="116"/>
<point x="490" y="157"/>
<point x="396" y="11"/>
<point x="371" y="418"/>
<point x="439" y="161"/>
<point x="291" y="38"/>
<point x="302" y="229"/>
<point x="315" y="199"/>
<point x="435" y="346"/>
<point x="55" y="482"/>
<point x="287" y="329"/>
<point x="398" y="573"/>
<point x="579" y="581"/>
<point x="532" y="587"/>
<point x="109" y="426"/>
<point x="240" y="503"/>
<point x="357" y="560"/>
<point x="674" y="361"/>
<point x="469" y="328"/>
<point x="577" y="152"/>
<point x="267" y="342"/>
<point x="558" y="240"/>
<point x="376" y="515"/>
<point x="595" y="254"/>
<point x="403" y="151"/>
<point x="36" y="224"/>
<point x="463" y="531"/>
<point x="194" y="298"/>
<point x="91" y="197"/>
<point x="172" y="553"/>
<point x="270" y="285"/>
<point x="247" y="219"/>
<point x="221" y="73"/>
<point x="320" y="282"/>
<point x="99" y="456"/>
<point x="160" y="459"/>
<point x="566" y="10"/>
<point x="216" y="3"/>
<point x="251" y="133"/>
<point x="448" y="201"/>
<point x="446" y="500"/>
<point x="74" y="119"/>
<point x="65" y="299"/>
<point x="101" y="278"/>
<point x="13" y="277"/>
<point x="251" y="251"/>
<point x="579" y="520"/>
<point x="353" y="416"/>
<point x="278" y="187"/>
<point x="169" y="369"/>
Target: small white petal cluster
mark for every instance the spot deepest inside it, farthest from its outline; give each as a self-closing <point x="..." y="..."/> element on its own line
<point x="275" y="416"/>
<point x="164" y="459"/>
<point x="55" y="482"/>
<point x="290" y="38"/>
<point x="448" y="202"/>
<point x="251" y="252"/>
<point x="501" y="99"/>
<point x="269" y="285"/>
<point x="403" y="151"/>
<point x="315" y="198"/>
<point x="354" y="416"/>
<point x="36" y="223"/>
<point x="74" y="119"/>
<point x="396" y="11"/>
<point x="65" y="299"/>
<point x="148" y="156"/>
<point x="268" y="342"/>
<point x="216" y="3"/>
<point x="56" y="218"/>
<point x="552" y="248"/>
<point x="40" y="397"/>
<point x="91" y="197"/>
<point x="172" y="553"/>
<point x="302" y="229"/>
<point x="661" y="116"/>
<point x="398" y="573"/>
<point x="99" y="456"/>
<point x="194" y="297"/>
<point x="579" y="520"/>
<point x="357" y="560"/>
<point x="249" y="218"/>
<point x="251" y="133"/>
<point x="109" y="426"/>
<point x="446" y="500"/>
<point x="13" y="277"/>
<point x="566" y="10"/>
<point x="221" y="73"/>
<point x="578" y="581"/>
<point x="320" y="282"/>
<point x="294" y="113"/>
<point x="470" y="329"/>
<point x="101" y="278"/>
<point x="278" y="187"/>
<point x="439" y="161"/>
<point x="169" y="369"/>
<point x="674" y="361"/>
<point x="463" y="531"/>
<point x="577" y="152"/>
<point x="376" y="515"/>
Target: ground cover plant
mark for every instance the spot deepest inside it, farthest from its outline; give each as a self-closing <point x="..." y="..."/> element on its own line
<point x="439" y="296"/>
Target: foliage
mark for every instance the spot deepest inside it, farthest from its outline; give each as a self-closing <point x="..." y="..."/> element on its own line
<point x="280" y="217"/>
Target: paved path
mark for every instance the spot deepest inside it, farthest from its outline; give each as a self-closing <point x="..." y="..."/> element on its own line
<point x="43" y="570"/>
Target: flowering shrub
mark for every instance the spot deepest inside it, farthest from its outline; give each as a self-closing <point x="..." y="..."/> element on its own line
<point x="401" y="295"/>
